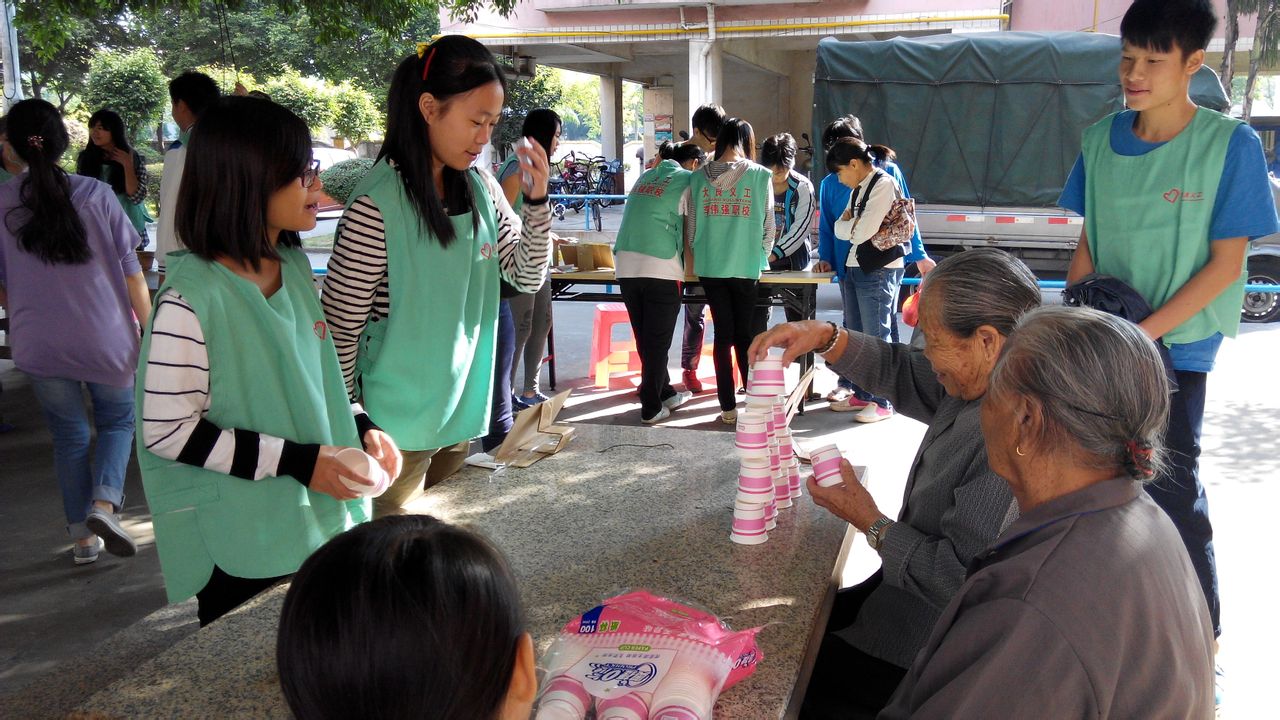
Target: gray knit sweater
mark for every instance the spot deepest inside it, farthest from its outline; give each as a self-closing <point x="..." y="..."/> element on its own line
<point x="954" y="506"/>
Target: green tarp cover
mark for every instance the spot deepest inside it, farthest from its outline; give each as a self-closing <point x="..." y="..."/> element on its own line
<point x="990" y="119"/>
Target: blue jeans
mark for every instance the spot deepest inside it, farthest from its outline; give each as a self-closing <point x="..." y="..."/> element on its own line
<point x="1179" y="492"/>
<point x="500" y="415"/>
<point x="82" y="483"/>
<point x="869" y="305"/>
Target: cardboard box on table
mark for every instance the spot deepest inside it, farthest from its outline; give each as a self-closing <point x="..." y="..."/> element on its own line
<point x="587" y="256"/>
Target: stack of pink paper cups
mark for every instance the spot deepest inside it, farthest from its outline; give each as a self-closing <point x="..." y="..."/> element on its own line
<point x="755" y="480"/>
<point x="768" y="476"/>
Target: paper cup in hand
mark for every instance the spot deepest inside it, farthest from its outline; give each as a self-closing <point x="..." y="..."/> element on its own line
<point x="361" y="463"/>
<point x="826" y="465"/>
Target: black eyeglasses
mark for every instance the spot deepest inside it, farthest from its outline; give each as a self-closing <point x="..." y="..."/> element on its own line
<point x="310" y="174"/>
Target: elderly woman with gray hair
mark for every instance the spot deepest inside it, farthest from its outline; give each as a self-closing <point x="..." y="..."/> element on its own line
<point x="954" y="505"/>
<point x="1091" y="586"/>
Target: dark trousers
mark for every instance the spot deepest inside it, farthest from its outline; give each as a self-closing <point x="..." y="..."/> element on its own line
<point x="694" y="331"/>
<point x="733" y="302"/>
<point x="224" y="593"/>
<point x="846" y="682"/>
<point x="653" y="306"/>
<point x="1179" y="492"/>
<point x="500" y="403"/>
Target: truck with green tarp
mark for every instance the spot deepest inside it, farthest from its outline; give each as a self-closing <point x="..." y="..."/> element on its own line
<point x="986" y="127"/>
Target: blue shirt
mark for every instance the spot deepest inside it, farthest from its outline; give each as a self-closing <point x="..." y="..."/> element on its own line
<point x="833" y="198"/>
<point x="1243" y="207"/>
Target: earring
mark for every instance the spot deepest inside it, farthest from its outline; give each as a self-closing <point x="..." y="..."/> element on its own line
<point x="1018" y="449"/>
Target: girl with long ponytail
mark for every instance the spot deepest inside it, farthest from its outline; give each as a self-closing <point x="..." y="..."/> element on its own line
<point x="74" y="293"/>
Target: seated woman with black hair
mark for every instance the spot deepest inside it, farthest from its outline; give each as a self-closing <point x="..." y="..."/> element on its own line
<point x="431" y="627"/>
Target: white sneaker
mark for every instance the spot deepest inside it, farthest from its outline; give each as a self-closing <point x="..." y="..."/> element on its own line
<point x="677" y="400"/>
<point x="729" y="417"/>
<point x="873" y="413"/>
<point x="663" y="414"/>
<point x="482" y="460"/>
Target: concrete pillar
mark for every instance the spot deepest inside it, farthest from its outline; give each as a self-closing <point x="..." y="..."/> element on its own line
<point x="611" y="133"/>
<point x="705" y="61"/>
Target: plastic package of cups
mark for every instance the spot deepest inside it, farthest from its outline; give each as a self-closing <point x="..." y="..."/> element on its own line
<point x="640" y="656"/>
<point x="766" y="459"/>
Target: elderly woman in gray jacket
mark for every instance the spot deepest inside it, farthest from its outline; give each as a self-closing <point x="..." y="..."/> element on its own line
<point x="954" y="505"/>
<point x="1090" y="589"/>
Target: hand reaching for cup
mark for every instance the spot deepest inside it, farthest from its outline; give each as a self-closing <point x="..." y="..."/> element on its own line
<point x="848" y="501"/>
<point x="535" y="168"/>
<point x="795" y="339"/>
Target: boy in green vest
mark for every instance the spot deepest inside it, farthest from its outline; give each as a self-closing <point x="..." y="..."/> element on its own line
<point x="1171" y="195"/>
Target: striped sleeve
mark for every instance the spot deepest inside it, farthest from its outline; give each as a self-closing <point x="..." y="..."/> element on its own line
<point x="798" y="234"/>
<point x="524" y="243"/>
<point x="139" y="171"/>
<point x="355" y="288"/>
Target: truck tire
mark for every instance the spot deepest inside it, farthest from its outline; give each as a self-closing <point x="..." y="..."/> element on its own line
<point x="1261" y="307"/>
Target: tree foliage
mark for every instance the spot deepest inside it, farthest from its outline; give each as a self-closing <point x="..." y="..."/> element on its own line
<point x="308" y="98"/>
<point x="543" y="91"/>
<point x="580" y="110"/>
<point x="356" y="117"/>
<point x="130" y="83"/>
<point x="50" y="22"/>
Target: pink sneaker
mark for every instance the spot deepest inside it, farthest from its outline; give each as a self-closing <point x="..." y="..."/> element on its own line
<point x="849" y="404"/>
<point x="873" y="413"/>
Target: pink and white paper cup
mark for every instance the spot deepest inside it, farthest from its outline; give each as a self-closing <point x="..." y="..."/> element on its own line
<point x="755" y="478"/>
<point x="752" y="436"/>
<point x="564" y="699"/>
<point x="793" y="479"/>
<point x="362" y="463"/>
<point x="748" y="524"/>
<point x="826" y="465"/>
<point x="631" y="706"/>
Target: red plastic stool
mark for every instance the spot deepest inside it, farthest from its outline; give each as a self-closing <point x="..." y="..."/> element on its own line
<point x="607" y="355"/>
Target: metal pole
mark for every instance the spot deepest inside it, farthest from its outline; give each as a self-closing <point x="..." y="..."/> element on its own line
<point x="9" y="56"/>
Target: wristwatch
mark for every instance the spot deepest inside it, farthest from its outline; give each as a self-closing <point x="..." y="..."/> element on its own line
<point x="875" y="533"/>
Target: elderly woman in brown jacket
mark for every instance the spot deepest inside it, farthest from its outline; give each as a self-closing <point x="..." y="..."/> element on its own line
<point x="1087" y="606"/>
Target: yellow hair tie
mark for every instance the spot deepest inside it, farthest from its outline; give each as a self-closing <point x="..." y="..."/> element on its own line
<point x="422" y="48"/>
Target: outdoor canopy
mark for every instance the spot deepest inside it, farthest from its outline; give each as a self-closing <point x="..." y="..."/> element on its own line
<point x="992" y="119"/>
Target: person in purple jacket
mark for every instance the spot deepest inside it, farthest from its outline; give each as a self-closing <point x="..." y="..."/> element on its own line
<point x="74" y="293"/>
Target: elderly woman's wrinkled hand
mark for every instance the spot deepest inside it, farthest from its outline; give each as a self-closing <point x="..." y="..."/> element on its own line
<point x="795" y="339"/>
<point x="848" y="501"/>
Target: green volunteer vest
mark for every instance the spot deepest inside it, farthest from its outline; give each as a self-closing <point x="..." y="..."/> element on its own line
<point x="651" y="222"/>
<point x="425" y="373"/>
<point x="502" y="169"/>
<point x="272" y="369"/>
<point x="729" y="235"/>
<point x="1147" y="217"/>
<point x="136" y="212"/>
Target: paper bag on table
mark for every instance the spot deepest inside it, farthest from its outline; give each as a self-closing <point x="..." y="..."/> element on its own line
<point x="534" y="435"/>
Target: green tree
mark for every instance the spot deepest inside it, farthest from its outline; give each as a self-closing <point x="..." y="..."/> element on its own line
<point x="356" y="117"/>
<point x="543" y="91"/>
<point x="131" y="83"/>
<point x="1266" y="45"/>
<point x="580" y="110"/>
<point x="50" y="22"/>
<point x="633" y="110"/>
<point x="308" y="98"/>
<point x="226" y="78"/>
<point x="60" y="79"/>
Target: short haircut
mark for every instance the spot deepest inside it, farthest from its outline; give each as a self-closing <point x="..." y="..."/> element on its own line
<point x="848" y="126"/>
<point x="246" y="150"/>
<point x="709" y="119"/>
<point x="778" y="151"/>
<point x="736" y="133"/>
<point x="1162" y="25"/>
<point x="982" y="286"/>
<point x="402" y="617"/>
<point x="196" y="89"/>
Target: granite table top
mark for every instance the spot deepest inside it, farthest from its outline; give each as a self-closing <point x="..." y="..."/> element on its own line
<point x="603" y="515"/>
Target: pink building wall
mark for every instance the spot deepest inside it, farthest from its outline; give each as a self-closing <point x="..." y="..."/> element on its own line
<point x="1045" y="15"/>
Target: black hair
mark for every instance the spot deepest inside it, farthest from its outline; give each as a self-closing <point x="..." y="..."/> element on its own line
<point x="4" y="124"/>
<point x="453" y="65"/>
<point x="709" y="119"/>
<point x="847" y="149"/>
<point x="666" y="150"/>
<point x="1162" y="25"/>
<point x="402" y="617"/>
<point x="47" y="223"/>
<point x="90" y="160"/>
<point x="688" y="151"/>
<point x="778" y="150"/>
<point x="541" y="125"/>
<point x="246" y="150"/>
<point x="196" y="89"/>
<point x="259" y="95"/>
<point x="848" y="126"/>
<point x="736" y="132"/>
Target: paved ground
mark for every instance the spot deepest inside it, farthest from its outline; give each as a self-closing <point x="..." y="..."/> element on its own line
<point x="57" y="621"/>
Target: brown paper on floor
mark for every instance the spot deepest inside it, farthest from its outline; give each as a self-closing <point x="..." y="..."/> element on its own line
<point x="534" y="435"/>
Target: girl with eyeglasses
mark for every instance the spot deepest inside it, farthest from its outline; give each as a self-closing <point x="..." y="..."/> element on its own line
<point x="239" y="387"/>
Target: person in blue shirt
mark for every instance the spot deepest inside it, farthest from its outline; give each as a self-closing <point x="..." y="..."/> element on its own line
<point x="833" y="253"/>
<point x="1171" y="195"/>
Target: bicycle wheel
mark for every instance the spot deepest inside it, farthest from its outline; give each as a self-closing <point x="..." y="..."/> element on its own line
<point x="605" y="187"/>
